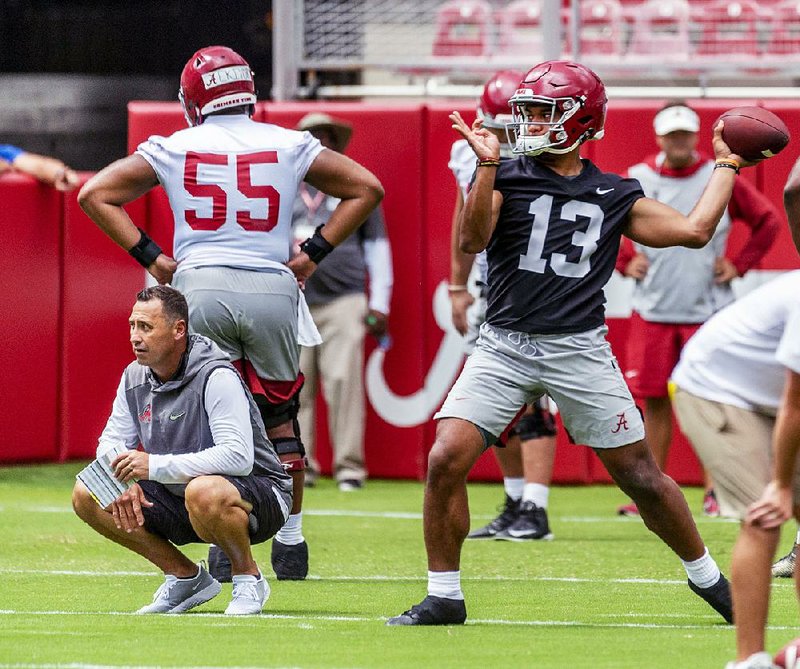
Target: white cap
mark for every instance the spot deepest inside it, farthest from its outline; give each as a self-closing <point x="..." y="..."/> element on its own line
<point x="676" y="118"/>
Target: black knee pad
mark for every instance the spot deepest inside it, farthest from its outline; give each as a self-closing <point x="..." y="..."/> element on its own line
<point x="289" y="446"/>
<point x="535" y="425"/>
<point x="277" y="414"/>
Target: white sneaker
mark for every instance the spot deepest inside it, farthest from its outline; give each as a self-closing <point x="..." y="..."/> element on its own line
<point x="249" y="595"/>
<point x="761" y="660"/>
<point x="177" y="595"/>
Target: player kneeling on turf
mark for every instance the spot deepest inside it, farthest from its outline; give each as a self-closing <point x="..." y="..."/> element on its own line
<point x="207" y="473"/>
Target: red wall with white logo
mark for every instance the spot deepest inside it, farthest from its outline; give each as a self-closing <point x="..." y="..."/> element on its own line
<point x="67" y="311"/>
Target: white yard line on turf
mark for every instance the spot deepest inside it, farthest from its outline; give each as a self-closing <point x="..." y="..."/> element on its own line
<point x="381" y="577"/>
<point x="395" y="515"/>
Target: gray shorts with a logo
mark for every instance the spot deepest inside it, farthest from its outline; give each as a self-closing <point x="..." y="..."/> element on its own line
<point x="249" y="314"/>
<point x="578" y="371"/>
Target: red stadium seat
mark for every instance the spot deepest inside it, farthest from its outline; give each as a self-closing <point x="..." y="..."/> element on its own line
<point x="784" y="33"/>
<point x="463" y="28"/>
<point x="602" y="31"/>
<point x="661" y="30"/>
<point x="729" y="29"/>
<point x="520" y="28"/>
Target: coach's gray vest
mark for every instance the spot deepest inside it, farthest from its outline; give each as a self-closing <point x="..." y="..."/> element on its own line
<point x="679" y="286"/>
<point x="171" y="417"/>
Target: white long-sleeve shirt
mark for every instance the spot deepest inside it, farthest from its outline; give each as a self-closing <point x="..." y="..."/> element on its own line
<point x="227" y="408"/>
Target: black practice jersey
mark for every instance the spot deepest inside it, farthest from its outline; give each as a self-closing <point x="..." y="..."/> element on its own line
<point x="555" y="246"/>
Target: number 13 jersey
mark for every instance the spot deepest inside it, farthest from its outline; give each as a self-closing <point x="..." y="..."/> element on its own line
<point x="554" y="246"/>
<point x="231" y="184"/>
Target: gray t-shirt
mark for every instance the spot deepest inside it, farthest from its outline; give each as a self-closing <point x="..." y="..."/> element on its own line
<point x="344" y="271"/>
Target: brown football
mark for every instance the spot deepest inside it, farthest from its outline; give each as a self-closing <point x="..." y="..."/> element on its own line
<point x="753" y="133"/>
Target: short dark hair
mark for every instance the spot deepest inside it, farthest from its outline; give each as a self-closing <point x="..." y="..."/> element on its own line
<point x="172" y="302"/>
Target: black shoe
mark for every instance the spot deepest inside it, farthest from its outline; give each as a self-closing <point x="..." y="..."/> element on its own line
<point x="350" y="485"/>
<point x="531" y="524"/>
<point x="508" y="514"/>
<point x="718" y="596"/>
<point x="433" y="611"/>
<point x="290" y="563"/>
<point x="219" y="566"/>
<point x="784" y="568"/>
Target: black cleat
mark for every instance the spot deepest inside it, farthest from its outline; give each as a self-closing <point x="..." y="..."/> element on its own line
<point x="219" y="566"/>
<point x="784" y="568"/>
<point x="531" y="525"/>
<point x="508" y="514"/>
<point x="718" y="596"/>
<point x="433" y="611"/>
<point x="290" y="563"/>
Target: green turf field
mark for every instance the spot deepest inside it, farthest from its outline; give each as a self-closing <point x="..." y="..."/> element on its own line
<point x="605" y="593"/>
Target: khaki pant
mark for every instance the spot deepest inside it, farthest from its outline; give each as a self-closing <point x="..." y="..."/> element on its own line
<point x="337" y="365"/>
<point x="735" y="446"/>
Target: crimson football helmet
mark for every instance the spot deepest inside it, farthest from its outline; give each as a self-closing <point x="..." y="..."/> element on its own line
<point x="215" y="78"/>
<point x="493" y="106"/>
<point x="577" y="101"/>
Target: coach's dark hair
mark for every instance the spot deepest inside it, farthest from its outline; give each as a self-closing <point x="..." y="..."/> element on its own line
<point x="172" y="302"/>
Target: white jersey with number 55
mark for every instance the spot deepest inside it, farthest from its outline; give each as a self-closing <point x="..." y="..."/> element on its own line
<point x="231" y="184"/>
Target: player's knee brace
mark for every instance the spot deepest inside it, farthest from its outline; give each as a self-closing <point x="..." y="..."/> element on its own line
<point x="535" y="425"/>
<point x="278" y="414"/>
<point x="288" y="446"/>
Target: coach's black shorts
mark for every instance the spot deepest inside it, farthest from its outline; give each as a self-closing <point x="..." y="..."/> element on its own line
<point x="168" y="517"/>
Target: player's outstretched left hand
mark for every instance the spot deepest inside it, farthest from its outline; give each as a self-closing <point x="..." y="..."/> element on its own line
<point x="485" y="144"/>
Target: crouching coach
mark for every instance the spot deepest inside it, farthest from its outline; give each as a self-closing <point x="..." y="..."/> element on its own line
<point x="207" y="473"/>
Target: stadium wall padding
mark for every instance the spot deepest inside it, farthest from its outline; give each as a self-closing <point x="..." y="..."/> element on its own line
<point x="68" y="309"/>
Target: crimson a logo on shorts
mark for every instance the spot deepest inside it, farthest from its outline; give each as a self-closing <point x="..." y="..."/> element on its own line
<point x="146" y="416"/>
<point x="622" y="423"/>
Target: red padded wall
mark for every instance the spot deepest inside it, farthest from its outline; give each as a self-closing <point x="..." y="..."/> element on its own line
<point x="772" y="177"/>
<point x="388" y="140"/>
<point x="99" y="289"/>
<point x="30" y="221"/>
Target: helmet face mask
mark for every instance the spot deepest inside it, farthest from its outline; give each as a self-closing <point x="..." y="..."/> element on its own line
<point x="215" y="78"/>
<point x="574" y="101"/>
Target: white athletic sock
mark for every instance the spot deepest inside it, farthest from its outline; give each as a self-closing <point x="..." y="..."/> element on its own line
<point x="513" y="487"/>
<point x="537" y="493"/>
<point x="445" y="584"/>
<point x="703" y="572"/>
<point x="292" y="532"/>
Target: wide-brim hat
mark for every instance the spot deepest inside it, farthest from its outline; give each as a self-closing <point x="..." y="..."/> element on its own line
<point x="341" y="130"/>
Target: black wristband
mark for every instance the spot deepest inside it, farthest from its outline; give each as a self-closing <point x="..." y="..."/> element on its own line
<point x="316" y="247"/>
<point x="145" y="251"/>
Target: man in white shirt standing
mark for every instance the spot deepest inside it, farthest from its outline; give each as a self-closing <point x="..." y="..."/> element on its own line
<point x="231" y="183"/>
<point x="207" y="473"/>
<point x="736" y="392"/>
<point x="677" y="289"/>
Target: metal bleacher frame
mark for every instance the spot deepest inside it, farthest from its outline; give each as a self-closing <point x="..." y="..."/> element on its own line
<point x="414" y="71"/>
